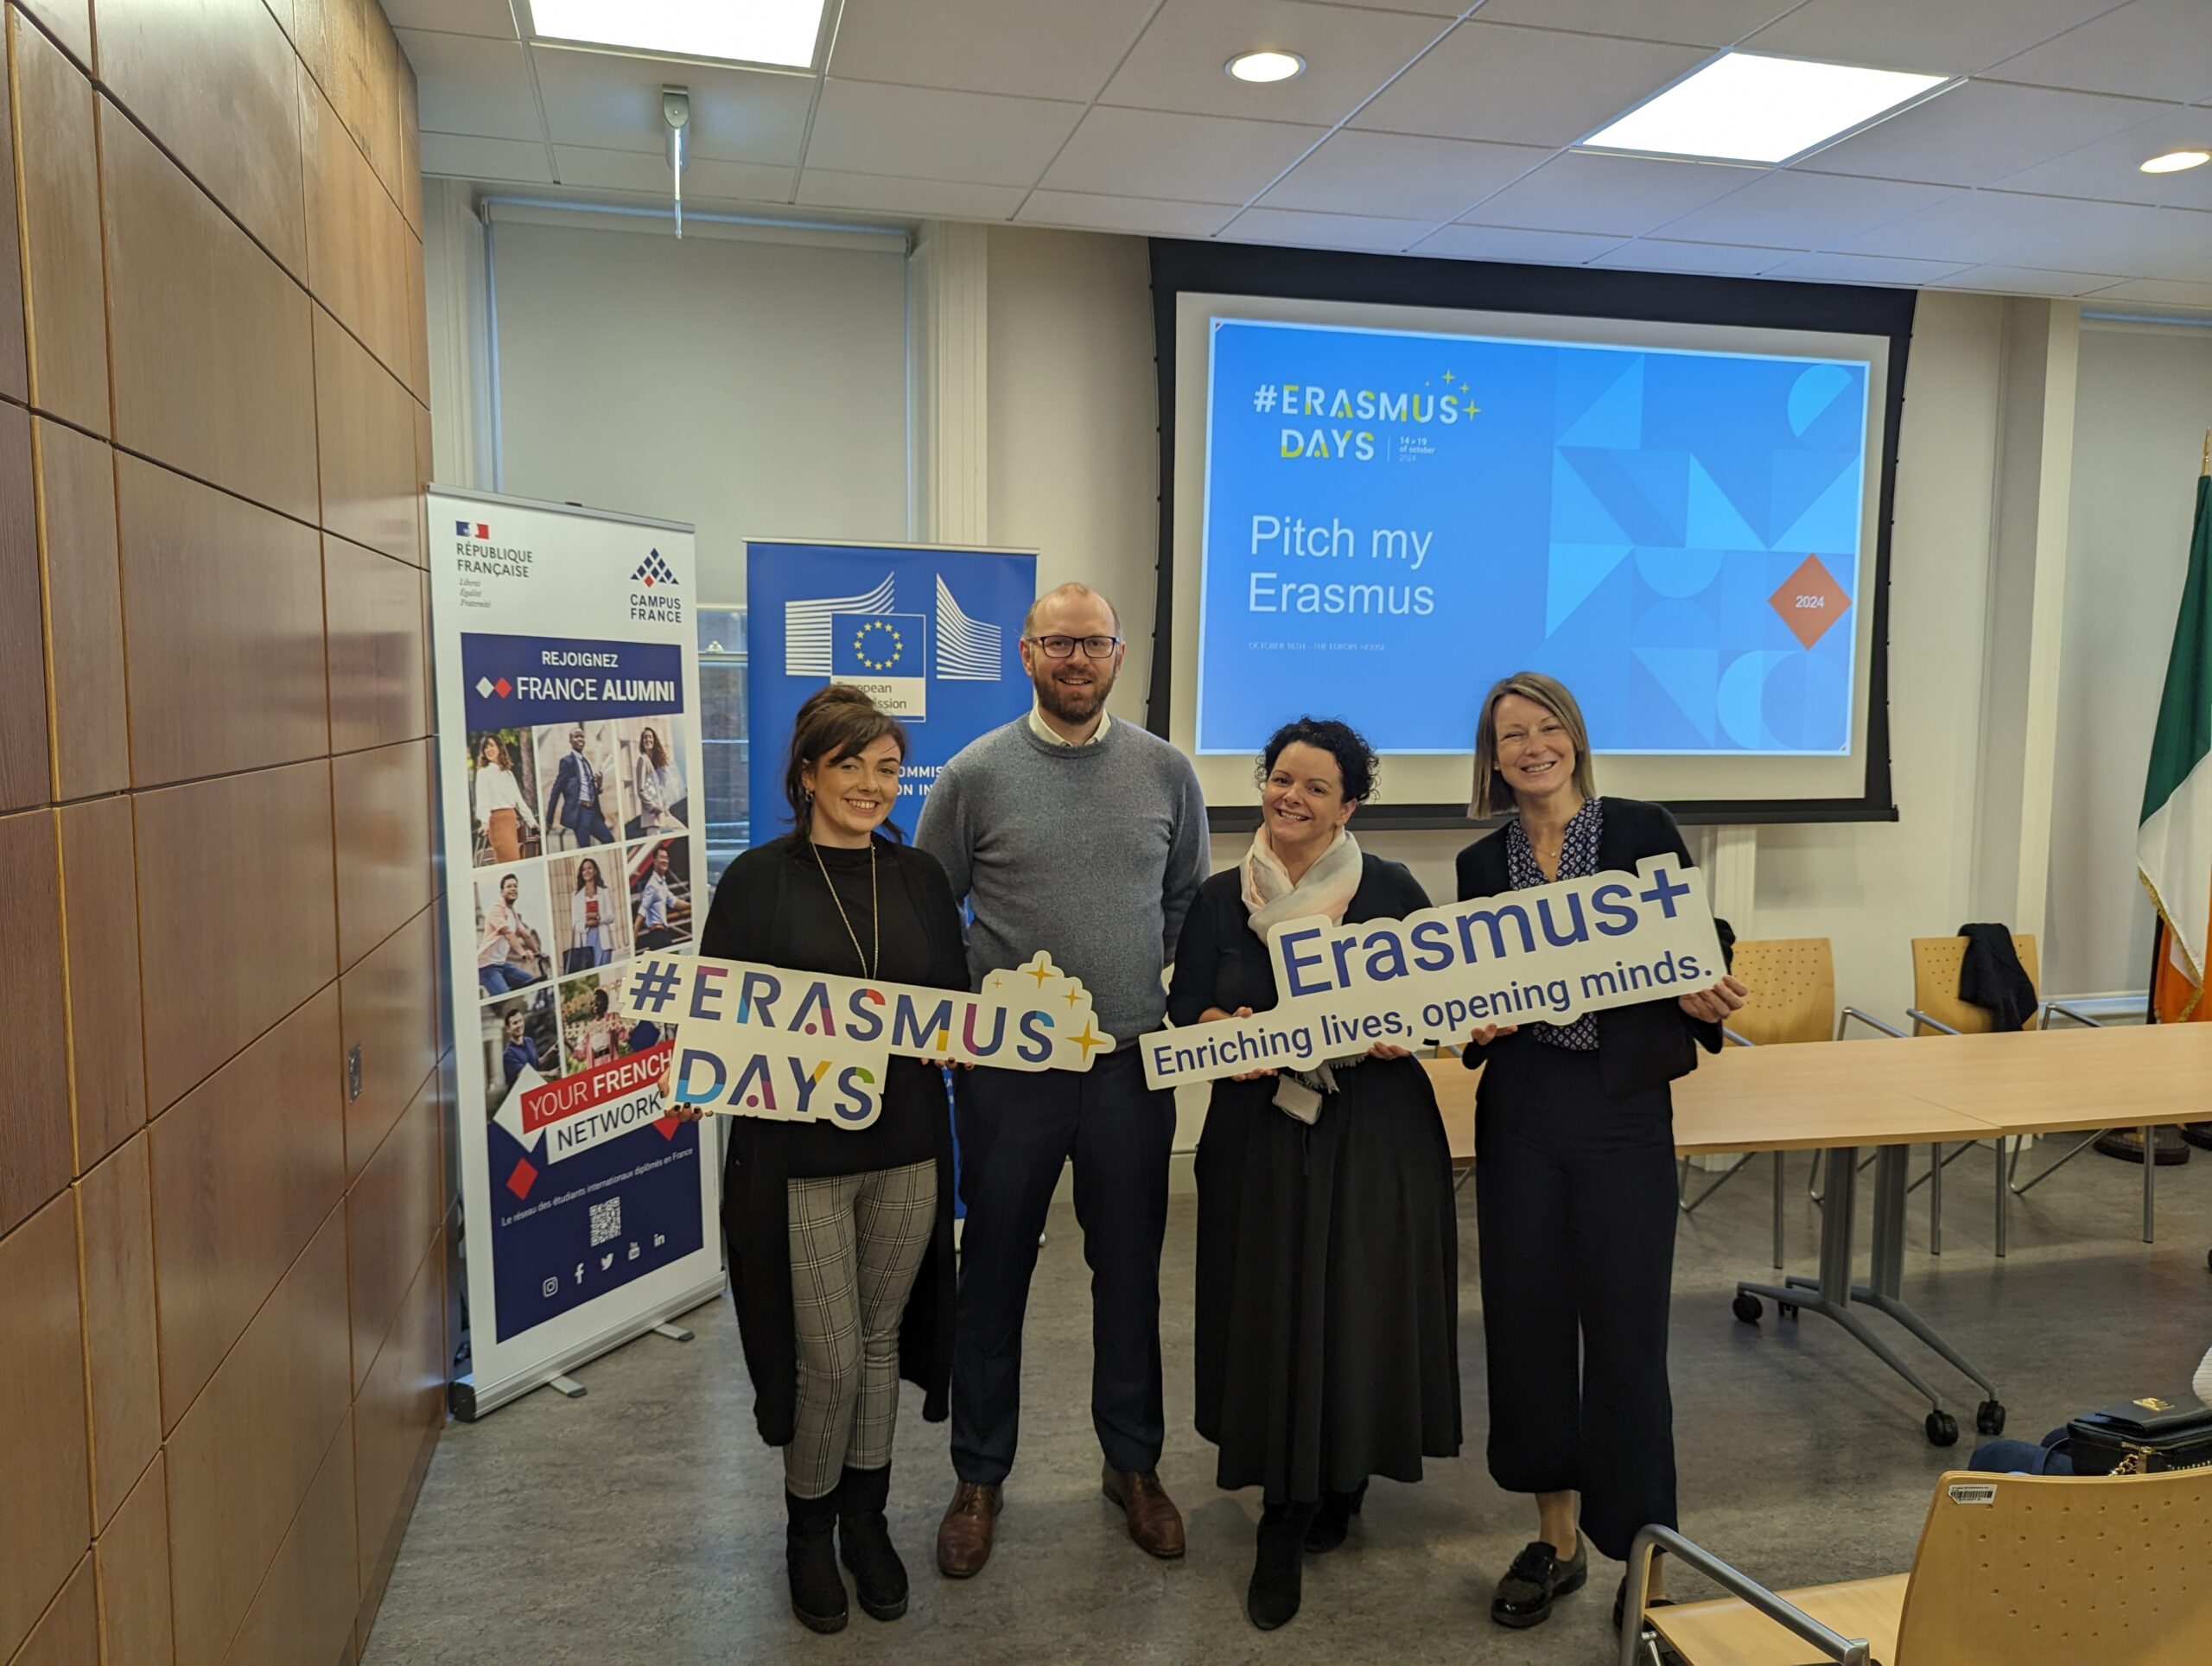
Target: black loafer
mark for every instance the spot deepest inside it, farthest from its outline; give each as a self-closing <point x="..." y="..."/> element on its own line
<point x="1536" y="1578"/>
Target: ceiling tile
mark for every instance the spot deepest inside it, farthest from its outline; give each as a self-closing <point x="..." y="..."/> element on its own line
<point x="1978" y="132"/>
<point x="1504" y="243"/>
<point x="2112" y="168"/>
<point x="1180" y="158"/>
<point x="1625" y="196"/>
<point x="1391" y="174"/>
<point x="823" y="187"/>
<point x="464" y="157"/>
<point x="1178" y="64"/>
<point x="2050" y="234"/>
<point x="1721" y="260"/>
<point x="2154" y="49"/>
<point x="627" y="170"/>
<point x="866" y="127"/>
<point x="466" y="84"/>
<point x="612" y="103"/>
<point x="1691" y="22"/>
<point x="2021" y="280"/>
<point x="1432" y="8"/>
<point x="2158" y="292"/>
<point x="1525" y="86"/>
<point x="1144" y="216"/>
<point x="1793" y="210"/>
<point x="1951" y="37"/>
<point x="1036" y="49"/>
<point x="1864" y="269"/>
<point x="494" y="18"/>
<point x="1326" y="231"/>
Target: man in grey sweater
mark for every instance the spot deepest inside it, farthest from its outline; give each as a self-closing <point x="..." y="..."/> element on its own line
<point x="1068" y="832"/>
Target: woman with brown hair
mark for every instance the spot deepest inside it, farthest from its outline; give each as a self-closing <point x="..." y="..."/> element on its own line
<point x="658" y="785"/>
<point x="827" y="1228"/>
<point x="591" y="911"/>
<point x="1574" y="1174"/>
<point x="500" y="809"/>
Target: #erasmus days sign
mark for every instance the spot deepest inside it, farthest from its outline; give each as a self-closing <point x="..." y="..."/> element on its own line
<point x="1547" y="954"/>
<point x="803" y="1046"/>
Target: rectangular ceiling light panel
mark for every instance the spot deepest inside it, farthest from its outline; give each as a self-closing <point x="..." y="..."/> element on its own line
<point x="1746" y="107"/>
<point x="781" y="32"/>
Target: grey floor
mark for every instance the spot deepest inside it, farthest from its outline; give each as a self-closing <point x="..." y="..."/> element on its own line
<point x="643" y="1522"/>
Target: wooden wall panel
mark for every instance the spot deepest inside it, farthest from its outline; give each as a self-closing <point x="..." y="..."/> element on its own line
<point x="364" y="426"/>
<point x="69" y="21"/>
<point x="44" y="1474"/>
<point x="66" y="298"/>
<point x="69" y="1635"/>
<point x="115" y="1224"/>
<point x="377" y="652"/>
<point x="223" y="603"/>
<point x="132" y="1559"/>
<point x="236" y="919"/>
<point x="246" y="1166"/>
<point x="358" y="246"/>
<point x="306" y="1606"/>
<point x="242" y="1458"/>
<point x="215" y="82"/>
<point x="84" y="609"/>
<point x="391" y="1216"/>
<point x="209" y="340"/>
<point x="14" y="378"/>
<point x="400" y="1405"/>
<point x="383" y="803"/>
<point x="24" y="777"/>
<point x="390" y="1016"/>
<point x="36" y="1152"/>
<point x="107" y="1025"/>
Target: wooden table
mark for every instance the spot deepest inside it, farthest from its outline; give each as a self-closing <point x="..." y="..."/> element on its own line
<point x="1891" y="1096"/>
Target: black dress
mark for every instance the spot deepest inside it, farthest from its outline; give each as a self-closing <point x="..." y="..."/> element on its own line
<point x="1328" y="1277"/>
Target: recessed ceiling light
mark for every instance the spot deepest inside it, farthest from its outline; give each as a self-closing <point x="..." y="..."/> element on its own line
<point x="745" y="31"/>
<point x="1265" y="65"/>
<point x="1746" y="107"/>
<point x="2175" y="162"/>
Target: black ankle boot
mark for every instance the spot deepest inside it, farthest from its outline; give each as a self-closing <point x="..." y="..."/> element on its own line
<point x="1333" y="1519"/>
<point x="1277" y="1570"/>
<point x="817" y="1592"/>
<point x="864" y="1542"/>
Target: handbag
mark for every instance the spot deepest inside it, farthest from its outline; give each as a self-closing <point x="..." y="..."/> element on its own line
<point x="578" y="960"/>
<point x="2142" y="1437"/>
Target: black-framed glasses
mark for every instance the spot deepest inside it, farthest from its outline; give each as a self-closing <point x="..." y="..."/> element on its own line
<point x="1061" y="647"/>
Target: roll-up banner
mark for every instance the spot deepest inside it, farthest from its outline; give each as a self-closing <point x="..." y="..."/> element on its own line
<point x="569" y="713"/>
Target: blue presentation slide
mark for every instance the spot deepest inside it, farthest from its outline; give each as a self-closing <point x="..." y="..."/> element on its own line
<point x="1393" y="521"/>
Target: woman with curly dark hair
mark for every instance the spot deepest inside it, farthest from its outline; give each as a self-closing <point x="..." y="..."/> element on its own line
<point x="1328" y="1277"/>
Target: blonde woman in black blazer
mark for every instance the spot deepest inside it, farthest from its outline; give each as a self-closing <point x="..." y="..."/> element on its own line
<point x="1574" y="1174"/>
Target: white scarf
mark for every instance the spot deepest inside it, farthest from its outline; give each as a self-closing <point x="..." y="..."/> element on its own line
<point x="1273" y="900"/>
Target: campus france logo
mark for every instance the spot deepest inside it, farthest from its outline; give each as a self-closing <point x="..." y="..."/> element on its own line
<point x="653" y="570"/>
<point x="476" y="530"/>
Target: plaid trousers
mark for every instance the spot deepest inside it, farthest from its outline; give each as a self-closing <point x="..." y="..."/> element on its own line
<point x="856" y="1242"/>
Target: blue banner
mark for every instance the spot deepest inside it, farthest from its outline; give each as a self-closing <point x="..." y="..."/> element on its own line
<point x="513" y="680"/>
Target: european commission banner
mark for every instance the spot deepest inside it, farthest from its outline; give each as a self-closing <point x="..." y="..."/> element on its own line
<point x="567" y="708"/>
<point x="929" y="631"/>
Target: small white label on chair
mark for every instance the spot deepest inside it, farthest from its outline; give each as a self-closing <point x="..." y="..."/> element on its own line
<point x="1963" y="1494"/>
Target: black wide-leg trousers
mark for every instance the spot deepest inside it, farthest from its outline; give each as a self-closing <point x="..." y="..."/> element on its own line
<point x="1575" y="1198"/>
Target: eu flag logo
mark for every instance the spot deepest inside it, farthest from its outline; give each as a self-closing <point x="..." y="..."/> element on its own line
<point x="885" y="654"/>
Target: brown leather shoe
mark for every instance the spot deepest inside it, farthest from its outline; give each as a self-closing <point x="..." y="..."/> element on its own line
<point x="1154" y="1522"/>
<point x="963" y="1537"/>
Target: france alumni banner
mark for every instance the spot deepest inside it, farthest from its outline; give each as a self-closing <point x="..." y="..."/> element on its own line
<point x="1546" y="954"/>
<point x="570" y="752"/>
<point x="928" y="631"/>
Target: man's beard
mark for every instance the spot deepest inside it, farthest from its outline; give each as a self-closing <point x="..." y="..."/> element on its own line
<point x="1074" y="705"/>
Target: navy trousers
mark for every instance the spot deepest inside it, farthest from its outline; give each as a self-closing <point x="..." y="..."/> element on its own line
<point x="1016" y="1128"/>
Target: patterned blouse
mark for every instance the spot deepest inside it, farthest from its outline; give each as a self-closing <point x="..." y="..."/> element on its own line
<point x="1578" y="860"/>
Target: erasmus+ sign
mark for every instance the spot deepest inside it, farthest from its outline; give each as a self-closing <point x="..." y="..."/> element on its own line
<point x="1545" y="955"/>
<point x="802" y="1046"/>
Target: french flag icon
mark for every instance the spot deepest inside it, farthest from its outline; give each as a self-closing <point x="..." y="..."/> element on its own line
<point x="471" y="530"/>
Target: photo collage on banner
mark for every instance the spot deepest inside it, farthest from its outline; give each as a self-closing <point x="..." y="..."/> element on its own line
<point x="569" y="696"/>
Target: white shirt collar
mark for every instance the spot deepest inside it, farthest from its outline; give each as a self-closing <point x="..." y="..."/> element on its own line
<point x="1045" y="731"/>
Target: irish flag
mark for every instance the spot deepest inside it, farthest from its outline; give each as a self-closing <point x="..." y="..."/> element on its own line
<point x="2173" y="846"/>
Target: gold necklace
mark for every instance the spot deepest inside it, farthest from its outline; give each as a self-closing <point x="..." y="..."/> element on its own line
<point x="875" y="914"/>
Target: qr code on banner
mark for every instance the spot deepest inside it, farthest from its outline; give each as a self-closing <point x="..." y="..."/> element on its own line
<point x="606" y="1221"/>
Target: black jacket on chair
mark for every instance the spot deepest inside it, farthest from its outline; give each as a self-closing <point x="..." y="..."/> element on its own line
<point x="1654" y="1041"/>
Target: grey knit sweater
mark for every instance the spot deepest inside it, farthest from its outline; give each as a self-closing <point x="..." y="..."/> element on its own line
<point x="1093" y="854"/>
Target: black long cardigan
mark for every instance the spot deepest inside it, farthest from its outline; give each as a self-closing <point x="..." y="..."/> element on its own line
<point x="744" y="923"/>
<point x="1640" y="1046"/>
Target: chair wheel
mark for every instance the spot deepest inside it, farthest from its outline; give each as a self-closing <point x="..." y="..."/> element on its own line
<point x="1747" y="1308"/>
<point x="1942" y="1430"/>
<point x="1989" y="1417"/>
<point x="1786" y="1309"/>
